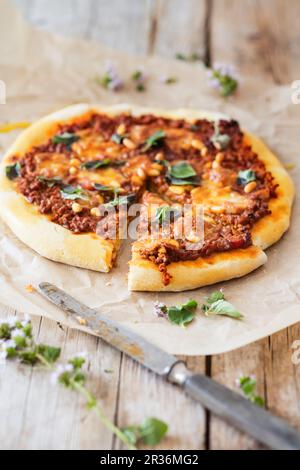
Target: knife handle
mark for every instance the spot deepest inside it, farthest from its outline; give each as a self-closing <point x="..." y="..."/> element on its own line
<point x="236" y="410"/>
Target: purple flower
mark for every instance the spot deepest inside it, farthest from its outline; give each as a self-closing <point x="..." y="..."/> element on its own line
<point x="111" y="79"/>
<point x="160" y="310"/>
<point x="224" y="78"/>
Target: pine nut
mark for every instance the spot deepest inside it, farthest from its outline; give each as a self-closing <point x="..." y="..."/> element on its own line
<point x="215" y="165"/>
<point x="73" y="170"/>
<point x="177" y="189"/>
<point x="159" y="156"/>
<point x="156" y="166"/>
<point x="95" y="211"/>
<point x="135" y="179"/>
<point x="250" y="187"/>
<point x="129" y="144"/>
<point x="140" y="172"/>
<point x="121" y="129"/>
<point x="204" y="151"/>
<point x="74" y="162"/>
<point x="153" y="172"/>
<point x="197" y="144"/>
<point x="219" y="157"/>
<point x="76" y="207"/>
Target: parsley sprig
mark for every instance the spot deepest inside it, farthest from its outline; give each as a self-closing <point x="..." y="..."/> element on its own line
<point x="181" y="314"/>
<point x="150" y="432"/>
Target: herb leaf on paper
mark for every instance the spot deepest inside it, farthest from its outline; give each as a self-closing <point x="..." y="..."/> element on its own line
<point x="216" y="304"/>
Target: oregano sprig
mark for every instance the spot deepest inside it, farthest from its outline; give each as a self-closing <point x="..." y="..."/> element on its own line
<point x="17" y="342"/>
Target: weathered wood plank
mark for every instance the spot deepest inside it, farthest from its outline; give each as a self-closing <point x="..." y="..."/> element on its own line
<point x="261" y="37"/>
<point x="56" y="418"/>
<point x="142" y="395"/>
<point x="178" y="27"/>
<point x="114" y="23"/>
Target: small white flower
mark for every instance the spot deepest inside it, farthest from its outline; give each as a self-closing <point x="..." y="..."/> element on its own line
<point x="115" y="82"/>
<point x="11" y="321"/>
<point x="59" y="371"/>
<point x="10" y="343"/>
<point x="26" y="320"/>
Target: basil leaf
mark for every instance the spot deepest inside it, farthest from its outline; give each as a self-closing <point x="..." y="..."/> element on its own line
<point x="222" y="307"/>
<point x="152" y="430"/>
<point x="66" y="138"/>
<point x="101" y="187"/>
<point x="73" y="192"/>
<point x="95" y="164"/>
<point x="50" y="182"/>
<point x="182" y="170"/>
<point x="246" y="176"/>
<point x="120" y="200"/>
<point x="166" y="212"/>
<point x="13" y="171"/>
<point x="118" y="138"/>
<point x="154" y="140"/>
<point x="194" y="128"/>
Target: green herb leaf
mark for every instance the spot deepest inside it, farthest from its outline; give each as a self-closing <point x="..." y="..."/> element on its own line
<point x="182" y="314"/>
<point x="182" y="174"/>
<point x="182" y="170"/>
<point x="228" y="85"/>
<point x="132" y="434"/>
<point x="248" y="386"/>
<point x="245" y="177"/>
<point x="120" y="200"/>
<point x="50" y="182"/>
<point x="118" y="138"/>
<point x="222" y="139"/>
<point x="102" y="187"/>
<point x="67" y="138"/>
<point x="222" y="307"/>
<point x="154" y="140"/>
<point x="140" y="87"/>
<point x="152" y="430"/>
<point x="5" y="332"/>
<point x="50" y="353"/>
<point x="73" y="192"/>
<point x="194" y="127"/>
<point x="13" y="171"/>
<point x="170" y="80"/>
<point x="216" y="295"/>
<point x="166" y="212"/>
<point x="95" y="164"/>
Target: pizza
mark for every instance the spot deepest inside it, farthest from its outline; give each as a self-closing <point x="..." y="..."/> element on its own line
<point x="66" y="180"/>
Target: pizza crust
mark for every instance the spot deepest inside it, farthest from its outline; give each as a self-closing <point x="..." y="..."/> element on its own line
<point x="92" y="252"/>
<point x="187" y="275"/>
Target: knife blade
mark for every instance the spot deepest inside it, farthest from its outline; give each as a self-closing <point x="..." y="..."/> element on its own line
<point x="223" y="402"/>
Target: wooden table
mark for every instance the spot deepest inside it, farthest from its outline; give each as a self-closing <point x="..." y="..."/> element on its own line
<point x="263" y="39"/>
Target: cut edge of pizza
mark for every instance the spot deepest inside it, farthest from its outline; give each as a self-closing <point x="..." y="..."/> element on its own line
<point x="90" y="251"/>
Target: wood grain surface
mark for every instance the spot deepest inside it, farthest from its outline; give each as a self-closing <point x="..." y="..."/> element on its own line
<point x="260" y="37"/>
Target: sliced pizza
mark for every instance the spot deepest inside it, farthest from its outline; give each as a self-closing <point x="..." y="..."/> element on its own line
<point x="65" y="181"/>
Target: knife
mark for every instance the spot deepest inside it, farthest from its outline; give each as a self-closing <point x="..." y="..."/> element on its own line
<point x="221" y="401"/>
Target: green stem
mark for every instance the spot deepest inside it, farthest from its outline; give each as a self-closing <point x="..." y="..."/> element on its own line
<point x="98" y="410"/>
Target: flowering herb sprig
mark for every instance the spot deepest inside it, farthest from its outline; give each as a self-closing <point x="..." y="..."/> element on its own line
<point x="247" y="384"/>
<point x="17" y="342"/>
<point x="111" y="78"/>
<point x="139" y="78"/>
<point x="223" y="78"/>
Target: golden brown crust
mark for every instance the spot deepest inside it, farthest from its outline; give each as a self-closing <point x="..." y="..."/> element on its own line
<point x="186" y="275"/>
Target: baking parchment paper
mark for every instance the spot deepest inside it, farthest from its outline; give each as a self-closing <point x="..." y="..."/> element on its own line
<point x="43" y="73"/>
